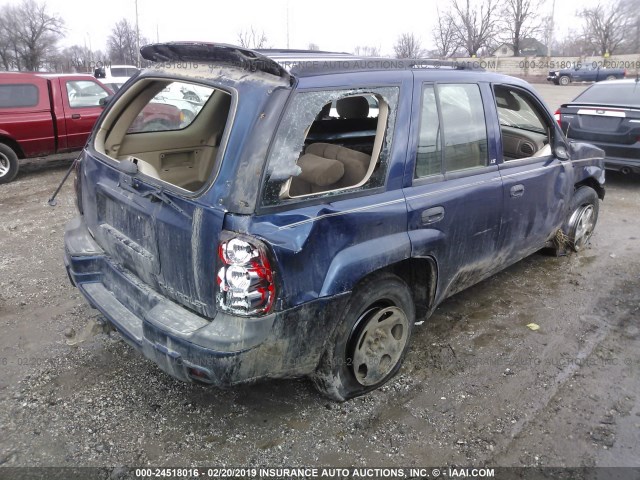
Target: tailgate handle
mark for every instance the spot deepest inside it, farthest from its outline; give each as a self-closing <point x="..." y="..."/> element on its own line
<point x="75" y="116"/>
<point x="432" y="215"/>
<point x="517" y="190"/>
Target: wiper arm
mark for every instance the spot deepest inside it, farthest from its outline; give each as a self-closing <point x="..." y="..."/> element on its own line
<point x="159" y="194"/>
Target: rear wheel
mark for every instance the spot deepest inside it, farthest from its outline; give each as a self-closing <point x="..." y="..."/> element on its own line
<point x="564" y="80"/>
<point x="8" y="163"/>
<point x="610" y="77"/>
<point x="369" y="345"/>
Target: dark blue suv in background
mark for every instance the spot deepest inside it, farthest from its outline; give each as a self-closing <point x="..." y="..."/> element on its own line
<point x="306" y="216"/>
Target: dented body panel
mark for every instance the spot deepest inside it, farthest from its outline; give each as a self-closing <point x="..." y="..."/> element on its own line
<point x="148" y="255"/>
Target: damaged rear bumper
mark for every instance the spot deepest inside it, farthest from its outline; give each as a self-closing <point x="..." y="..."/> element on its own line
<point x="224" y="351"/>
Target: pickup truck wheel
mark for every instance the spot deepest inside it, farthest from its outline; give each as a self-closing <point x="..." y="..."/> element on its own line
<point x="585" y="206"/>
<point x="371" y="341"/>
<point x="8" y="163"/>
<point x="564" y="80"/>
<point x="610" y="77"/>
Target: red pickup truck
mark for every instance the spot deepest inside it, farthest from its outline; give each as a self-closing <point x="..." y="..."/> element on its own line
<point x="42" y="114"/>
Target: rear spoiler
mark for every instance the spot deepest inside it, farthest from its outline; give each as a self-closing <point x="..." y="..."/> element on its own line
<point x="220" y="53"/>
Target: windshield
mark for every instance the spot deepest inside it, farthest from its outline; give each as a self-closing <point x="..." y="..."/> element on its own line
<point x="612" y="94"/>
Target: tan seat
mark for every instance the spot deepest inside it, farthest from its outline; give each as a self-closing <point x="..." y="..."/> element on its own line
<point x="318" y="174"/>
<point x="355" y="163"/>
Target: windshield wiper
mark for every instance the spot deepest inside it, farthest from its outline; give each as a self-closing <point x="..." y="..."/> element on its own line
<point x="156" y="194"/>
<point x="159" y="194"/>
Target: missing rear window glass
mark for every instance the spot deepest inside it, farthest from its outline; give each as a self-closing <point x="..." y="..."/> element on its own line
<point x="331" y="142"/>
<point x="171" y="130"/>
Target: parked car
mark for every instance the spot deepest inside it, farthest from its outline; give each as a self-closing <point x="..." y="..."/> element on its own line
<point x="268" y="239"/>
<point x="585" y="73"/>
<point x="42" y="114"/>
<point x="607" y="114"/>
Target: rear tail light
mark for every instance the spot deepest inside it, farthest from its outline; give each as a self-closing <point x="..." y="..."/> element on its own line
<point x="558" y="117"/>
<point x="245" y="280"/>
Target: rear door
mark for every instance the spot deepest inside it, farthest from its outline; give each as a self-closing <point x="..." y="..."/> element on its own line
<point x="454" y="192"/>
<point x="81" y="100"/>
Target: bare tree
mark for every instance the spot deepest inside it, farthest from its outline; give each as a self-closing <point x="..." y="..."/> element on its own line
<point x="28" y="35"/>
<point x="8" y="40"/>
<point x="572" y="45"/>
<point x="408" y="46"/>
<point x="632" y="37"/>
<point x="122" y="43"/>
<point x="605" y="26"/>
<point x="475" y="23"/>
<point x="444" y="35"/>
<point x="252" y="39"/>
<point x="521" y="19"/>
<point x="313" y="46"/>
<point x="366" y="51"/>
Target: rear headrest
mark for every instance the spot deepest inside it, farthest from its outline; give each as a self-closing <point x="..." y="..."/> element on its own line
<point x="353" y="107"/>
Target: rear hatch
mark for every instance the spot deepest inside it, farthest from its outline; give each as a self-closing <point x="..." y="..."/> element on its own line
<point x="147" y="191"/>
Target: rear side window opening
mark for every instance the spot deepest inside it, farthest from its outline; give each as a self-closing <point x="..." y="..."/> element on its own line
<point x="18" y="95"/>
<point x="171" y="138"/>
<point x="331" y="142"/>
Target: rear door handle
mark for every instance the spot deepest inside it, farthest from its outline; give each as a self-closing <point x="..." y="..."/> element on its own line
<point x="517" y="190"/>
<point x="75" y="116"/>
<point x="432" y="215"/>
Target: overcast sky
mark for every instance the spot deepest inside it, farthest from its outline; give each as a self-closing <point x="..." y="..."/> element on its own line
<point x="335" y="25"/>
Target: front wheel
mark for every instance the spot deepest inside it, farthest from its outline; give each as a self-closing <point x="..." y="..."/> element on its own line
<point x="8" y="163"/>
<point x="371" y="341"/>
<point x="583" y="217"/>
<point x="564" y="80"/>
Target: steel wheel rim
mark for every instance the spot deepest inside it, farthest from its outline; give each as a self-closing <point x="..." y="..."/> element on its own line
<point x="5" y="165"/>
<point x="583" y="226"/>
<point x="379" y="344"/>
<point x="564" y="81"/>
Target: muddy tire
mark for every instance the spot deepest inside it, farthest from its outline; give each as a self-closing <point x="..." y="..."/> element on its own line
<point x="564" y="80"/>
<point x="583" y="216"/>
<point x="371" y="341"/>
<point x="8" y="164"/>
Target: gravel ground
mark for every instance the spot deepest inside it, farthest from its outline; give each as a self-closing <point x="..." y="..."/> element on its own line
<point x="478" y="387"/>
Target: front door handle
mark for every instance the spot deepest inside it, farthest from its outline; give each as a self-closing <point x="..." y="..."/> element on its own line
<point x="517" y="190"/>
<point x="432" y="215"/>
<point x="75" y="116"/>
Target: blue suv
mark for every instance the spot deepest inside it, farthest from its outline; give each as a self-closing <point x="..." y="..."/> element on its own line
<point x="312" y="209"/>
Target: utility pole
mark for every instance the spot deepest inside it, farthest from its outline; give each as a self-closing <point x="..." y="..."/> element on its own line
<point x="288" y="24"/>
<point x="138" y="36"/>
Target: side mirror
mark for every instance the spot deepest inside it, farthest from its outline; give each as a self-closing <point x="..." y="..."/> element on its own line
<point x="104" y="101"/>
